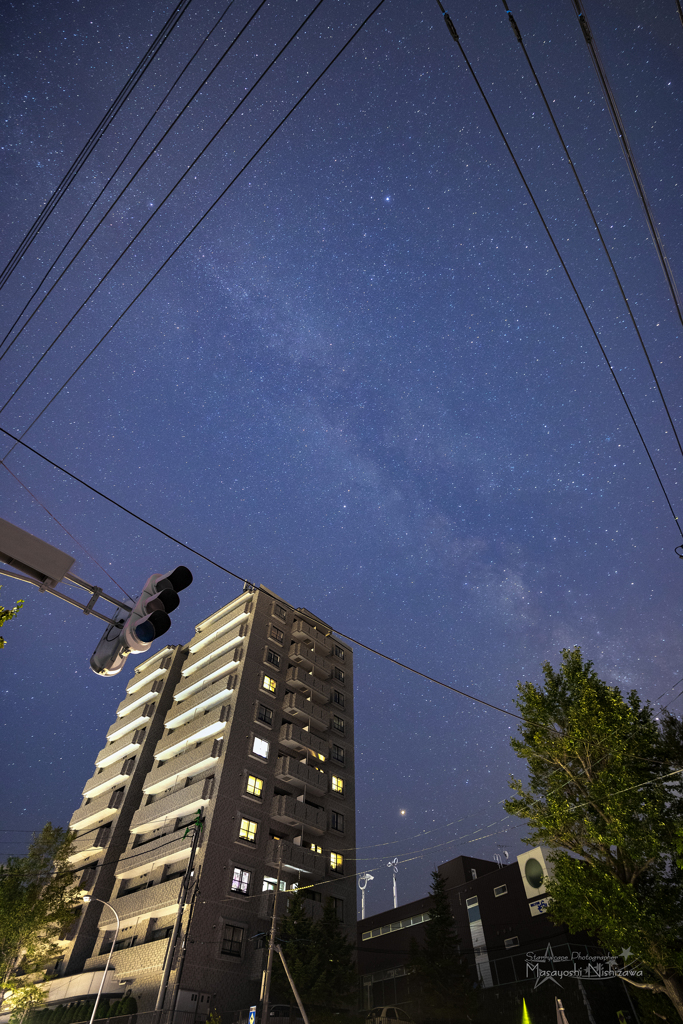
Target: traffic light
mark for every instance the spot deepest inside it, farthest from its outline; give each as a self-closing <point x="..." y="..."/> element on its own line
<point x="148" y="619"/>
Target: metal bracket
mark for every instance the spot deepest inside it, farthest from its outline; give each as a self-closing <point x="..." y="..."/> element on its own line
<point x="96" y="592"/>
<point x="87" y="609"/>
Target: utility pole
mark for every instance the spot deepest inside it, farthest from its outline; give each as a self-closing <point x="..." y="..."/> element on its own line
<point x="394" y="864"/>
<point x="183" y="949"/>
<point x="363" y="880"/>
<point x="290" y="979"/>
<point x="271" y="947"/>
<point x="182" y="899"/>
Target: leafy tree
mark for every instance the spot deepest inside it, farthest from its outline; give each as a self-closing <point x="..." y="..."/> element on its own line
<point x="604" y="795"/>
<point x="37" y="901"/>
<point x="319" y="957"/>
<point x="6" y="614"/>
<point x="447" y="992"/>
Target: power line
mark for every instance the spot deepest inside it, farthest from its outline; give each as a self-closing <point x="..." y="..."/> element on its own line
<point x="628" y="155"/>
<point x="112" y="205"/>
<point x="456" y="39"/>
<point x="203" y="217"/>
<point x="520" y="40"/>
<point x="99" y="196"/>
<point x="99" y="131"/>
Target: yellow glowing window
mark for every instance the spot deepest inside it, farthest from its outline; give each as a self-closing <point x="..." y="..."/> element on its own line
<point x="336" y="862"/>
<point x="337" y="785"/>
<point x="248" y="830"/>
<point x="269" y="684"/>
<point x="254" y="786"/>
<point x="316" y="849"/>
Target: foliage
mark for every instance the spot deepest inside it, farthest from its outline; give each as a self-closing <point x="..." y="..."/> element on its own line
<point x="318" y="955"/>
<point x="598" y="796"/>
<point x="214" y="1017"/>
<point x="447" y="992"/>
<point x="26" y="996"/>
<point x="37" y="901"/>
<point x="6" y="614"/>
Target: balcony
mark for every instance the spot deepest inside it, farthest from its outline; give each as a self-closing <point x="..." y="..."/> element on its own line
<point x="114" y="775"/>
<point x="305" y="632"/>
<point x="214" y="633"/>
<point x="127" y="962"/>
<point x="90" y="845"/>
<point x="296" y="738"/>
<point x="157" y="901"/>
<point x="152" y="668"/>
<point x="137" y="720"/>
<point x="299" y="654"/>
<point x="122" y="748"/>
<point x="205" y="657"/>
<point x="305" y="682"/>
<point x="96" y="812"/>
<point x="163" y="850"/>
<point x="306" y="712"/>
<point x="198" y="729"/>
<point x="193" y="761"/>
<point x="291" y="811"/>
<point x="134" y="700"/>
<point x="217" y="692"/>
<point x="296" y="858"/>
<point x="300" y="774"/>
<point x="178" y="804"/>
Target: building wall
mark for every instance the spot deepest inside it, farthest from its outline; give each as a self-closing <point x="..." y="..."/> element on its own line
<point x="251" y="725"/>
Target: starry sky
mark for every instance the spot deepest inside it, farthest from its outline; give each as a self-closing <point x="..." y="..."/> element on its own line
<point x="363" y="381"/>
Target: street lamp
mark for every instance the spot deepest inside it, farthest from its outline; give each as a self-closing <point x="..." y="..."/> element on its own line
<point x="363" y="880"/>
<point x="394" y="864"/>
<point x="89" y="899"/>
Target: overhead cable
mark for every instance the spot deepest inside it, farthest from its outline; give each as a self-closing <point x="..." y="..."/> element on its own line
<point x="99" y="131"/>
<point x="454" y="34"/>
<point x="99" y="195"/>
<point x="628" y="155"/>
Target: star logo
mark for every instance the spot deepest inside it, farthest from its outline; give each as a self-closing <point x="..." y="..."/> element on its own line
<point x="543" y="976"/>
<point x="626" y="954"/>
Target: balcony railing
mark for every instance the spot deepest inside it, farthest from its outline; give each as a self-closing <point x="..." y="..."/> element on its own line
<point x="195" y="731"/>
<point x="102" y="809"/>
<point x="298" y="739"/>
<point x="307" y="683"/>
<point x="108" y="778"/>
<point x="194" y="760"/>
<point x="123" y="748"/>
<point x="304" y="631"/>
<point x="157" y="901"/>
<point x="299" y="654"/>
<point x="296" y="858"/>
<point x="163" y="850"/>
<point x="298" y="773"/>
<point x="307" y="712"/>
<point x="89" y="845"/>
<point x="135" y="700"/>
<point x="177" y="805"/>
<point x="291" y="811"/>
<point x="207" y="697"/>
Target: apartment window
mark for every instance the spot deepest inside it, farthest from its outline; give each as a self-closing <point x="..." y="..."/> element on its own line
<point x="255" y="786"/>
<point x="339" y="698"/>
<point x="280" y="612"/>
<point x="500" y="890"/>
<point x="337" y="723"/>
<point x="338" y="652"/>
<point x="337" y="785"/>
<point x="269" y="684"/>
<point x="339" y="674"/>
<point x="315" y="848"/>
<point x="276" y="634"/>
<point x="273" y="658"/>
<point x="264" y="714"/>
<point x="269" y="884"/>
<point x="124" y="943"/>
<point x="248" y="830"/>
<point x="337" y="862"/>
<point x="512" y="942"/>
<point x="232" y="940"/>
<point x="161" y="933"/>
<point x="240" y="881"/>
<point x="337" y="821"/>
<point x="338" y="908"/>
<point x="338" y="753"/>
<point x="260" y="747"/>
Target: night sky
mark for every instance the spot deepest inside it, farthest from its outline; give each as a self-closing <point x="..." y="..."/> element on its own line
<point x="364" y="381"/>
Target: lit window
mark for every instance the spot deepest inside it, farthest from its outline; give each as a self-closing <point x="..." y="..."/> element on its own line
<point x="273" y="658"/>
<point x="260" y="747"/>
<point x="280" y="611"/>
<point x="315" y="848"/>
<point x="337" y="821"/>
<point x="339" y="652"/>
<point x="337" y="862"/>
<point x="270" y="883"/>
<point x="269" y="684"/>
<point x="337" y="785"/>
<point x="232" y="940"/>
<point x="277" y="634"/>
<point x="240" y="881"/>
<point x="337" y="723"/>
<point x="509" y="943"/>
<point x="255" y="786"/>
<point x="248" y="830"/>
<point x="264" y="714"/>
<point x="500" y="890"/>
<point x="338" y="753"/>
<point x="339" y="698"/>
<point x="338" y="674"/>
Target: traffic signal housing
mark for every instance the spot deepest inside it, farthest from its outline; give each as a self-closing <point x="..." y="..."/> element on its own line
<point x="148" y="619"/>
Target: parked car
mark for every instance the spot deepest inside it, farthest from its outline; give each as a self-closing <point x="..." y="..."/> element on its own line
<point x="383" y="1014"/>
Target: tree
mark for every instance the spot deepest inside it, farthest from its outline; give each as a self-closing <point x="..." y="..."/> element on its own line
<point x="6" y="614"/>
<point x="604" y="795"/>
<point x="446" y="988"/>
<point x="37" y="901"/>
<point x="318" y="954"/>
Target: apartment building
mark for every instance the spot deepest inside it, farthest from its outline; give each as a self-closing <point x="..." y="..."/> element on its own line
<point x="250" y="725"/>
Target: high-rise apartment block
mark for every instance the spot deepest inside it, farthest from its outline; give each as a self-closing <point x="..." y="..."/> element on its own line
<point x="251" y="725"/>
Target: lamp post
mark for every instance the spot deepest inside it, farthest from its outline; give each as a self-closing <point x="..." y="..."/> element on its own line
<point x="363" y="880"/>
<point x="89" y="899"/>
<point x="394" y="864"/>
